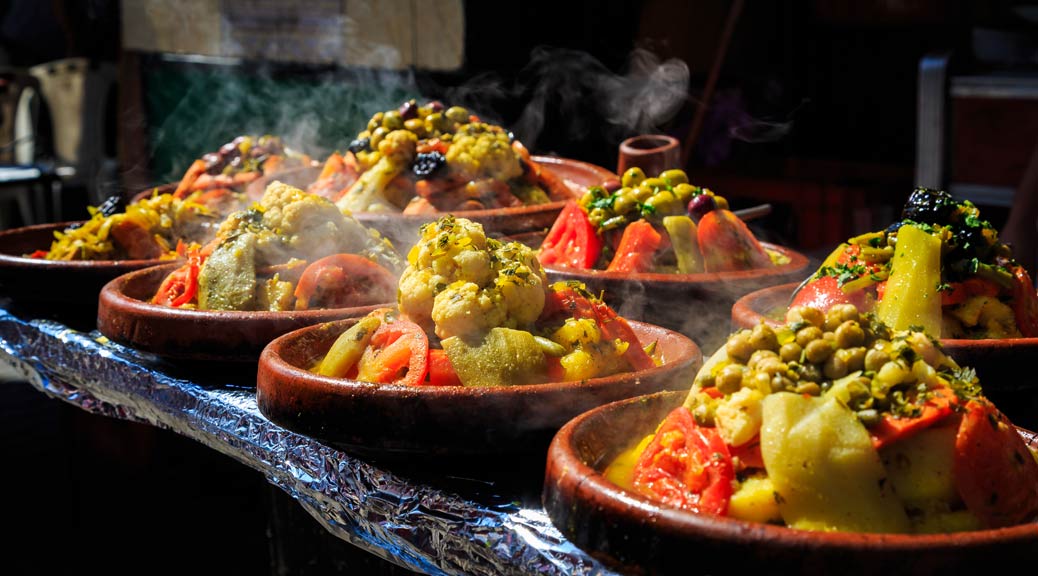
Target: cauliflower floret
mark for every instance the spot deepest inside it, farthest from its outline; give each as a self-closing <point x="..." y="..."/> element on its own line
<point x="368" y="193"/>
<point x="481" y="151"/>
<point x="459" y="282"/>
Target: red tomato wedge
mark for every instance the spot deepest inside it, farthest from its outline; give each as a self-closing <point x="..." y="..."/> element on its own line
<point x="996" y="474"/>
<point x="1025" y="303"/>
<point x="686" y="465"/>
<point x="962" y="291"/>
<point x="824" y="293"/>
<point x="938" y="406"/>
<point x="637" y="248"/>
<point x="727" y="243"/>
<point x="342" y="281"/>
<point x="397" y="354"/>
<point x="572" y="240"/>
<point x="441" y="371"/>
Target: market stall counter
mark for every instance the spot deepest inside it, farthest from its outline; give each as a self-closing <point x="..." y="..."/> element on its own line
<point x="420" y="516"/>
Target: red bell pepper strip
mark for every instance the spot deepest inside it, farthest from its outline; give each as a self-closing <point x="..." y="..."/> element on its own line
<point x="637" y="248"/>
<point x="996" y="474"/>
<point x="686" y="465"/>
<point x="572" y="240"/>
<point x="1025" y="303"/>
<point x="397" y="354"/>
<point x="441" y="371"/>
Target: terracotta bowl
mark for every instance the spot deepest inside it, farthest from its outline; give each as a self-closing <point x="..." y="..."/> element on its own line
<point x="124" y="315"/>
<point x="402" y="229"/>
<point x="697" y="305"/>
<point x="57" y="289"/>
<point x="634" y="534"/>
<point x="447" y="420"/>
<point x="1000" y="364"/>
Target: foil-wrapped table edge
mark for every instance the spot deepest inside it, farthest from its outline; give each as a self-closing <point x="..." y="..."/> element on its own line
<point x="416" y="526"/>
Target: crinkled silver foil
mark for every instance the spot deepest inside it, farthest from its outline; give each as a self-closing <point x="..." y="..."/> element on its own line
<point x="414" y="525"/>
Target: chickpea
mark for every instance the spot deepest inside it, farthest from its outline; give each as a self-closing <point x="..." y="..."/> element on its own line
<point x="674" y="177"/>
<point x="812" y="316"/>
<point x="763" y="337"/>
<point x="772" y="366"/>
<point x="834" y="367"/>
<point x="762" y="382"/>
<point x="875" y="359"/>
<point x="809" y="373"/>
<point x="738" y="347"/>
<point x="810" y="388"/>
<point x="632" y="177"/>
<point x="780" y="383"/>
<point x="704" y="413"/>
<point x="790" y="352"/>
<point x="729" y="379"/>
<point x="854" y="358"/>
<point x="839" y="314"/>
<point x="891" y="374"/>
<point x="758" y="357"/>
<point x="706" y="380"/>
<point x="807" y="335"/>
<point x="818" y="351"/>
<point x="849" y="334"/>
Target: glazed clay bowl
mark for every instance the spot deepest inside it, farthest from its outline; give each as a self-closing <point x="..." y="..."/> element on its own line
<point x="1000" y="364"/>
<point x="63" y="290"/>
<point x="574" y="178"/>
<point x="448" y="420"/>
<point x="634" y="534"/>
<point x="126" y="316"/>
<point x="697" y="305"/>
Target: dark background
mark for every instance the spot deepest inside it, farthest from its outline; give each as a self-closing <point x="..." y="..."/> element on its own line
<point x="815" y="103"/>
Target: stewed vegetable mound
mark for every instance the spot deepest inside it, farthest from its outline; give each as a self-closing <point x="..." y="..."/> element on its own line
<point x="941" y="267"/>
<point x="475" y="311"/>
<point x="835" y="422"/>
<point x="660" y="224"/>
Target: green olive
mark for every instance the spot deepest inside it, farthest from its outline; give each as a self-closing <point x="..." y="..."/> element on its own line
<point x="632" y="177"/>
<point x="624" y="203"/>
<point x="665" y="203"/>
<point x="674" y="177"/>
<point x="720" y="203"/>
<point x="641" y="193"/>
<point x="656" y="184"/>
<point x="416" y="125"/>
<point x="377" y="137"/>
<point x="392" y="121"/>
<point x="375" y="121"/>
<point x="457" y="114"/>
<point x="684" y="192"/>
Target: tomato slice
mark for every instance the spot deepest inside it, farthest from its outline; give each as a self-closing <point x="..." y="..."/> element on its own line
<point x="686" y="465"/>
<point x="344" y="280"/>
<point x="728" y="244"/>
<point x="940" y="404"/>
<point x="996" y="474"/>
<point x="637" y="248"/>
<point x="572" y="240"/>
<point x="397" y="354"/>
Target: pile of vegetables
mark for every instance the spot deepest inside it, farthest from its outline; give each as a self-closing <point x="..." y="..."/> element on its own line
<point x="941" y="268"/>
<point x="160" y="226"/>
<point x="836" y="422"/>
<point x="661" y="224"/>
<point x="423" y="159"/>
<point x="474" y="311"/>
<point x="238" y="162"/>
<point x="289" y="251"/>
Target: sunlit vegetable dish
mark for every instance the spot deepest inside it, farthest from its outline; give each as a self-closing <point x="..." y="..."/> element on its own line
<point x="422" y="159"/>
<point x="237" y="163"/>
<point x="835" y="422"/>
<point x="289" y="251"/>
<point x="475" y="311"/>
<point x="941" y="268"/>
<point x="661" y="224"/>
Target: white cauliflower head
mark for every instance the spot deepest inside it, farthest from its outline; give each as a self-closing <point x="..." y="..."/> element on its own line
<point x="459" y="282"/>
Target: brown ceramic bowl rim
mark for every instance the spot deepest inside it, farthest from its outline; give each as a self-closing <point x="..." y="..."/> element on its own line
<point x="796" y="262"/>
<point x="512" y="211"/>
<point x="742" y="307"/>
<point x="118" y="302"/>
<point x="678" y="521"/>
<point x="279" y="367"/>
<point x="43" y="264"/>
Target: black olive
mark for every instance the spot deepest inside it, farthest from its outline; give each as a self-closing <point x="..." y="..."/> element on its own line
<point x="359" y="145"/>
<point x="214" y="162"/>
<point x="428" y="163"/>
<point x="929" y="206"/>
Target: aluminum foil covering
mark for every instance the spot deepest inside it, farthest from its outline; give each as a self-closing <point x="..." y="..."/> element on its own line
<point x="412" y="524"/>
